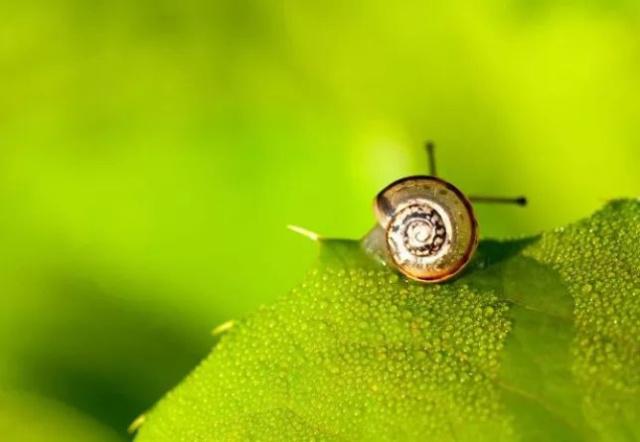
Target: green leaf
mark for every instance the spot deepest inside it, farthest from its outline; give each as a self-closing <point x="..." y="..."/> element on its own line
<point x="538" y="340"/>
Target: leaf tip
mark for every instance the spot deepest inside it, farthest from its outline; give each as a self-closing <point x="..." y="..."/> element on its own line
<point x="223" y="328"/>
<point x="137" y="423"/>
<point x="313" y="236"/>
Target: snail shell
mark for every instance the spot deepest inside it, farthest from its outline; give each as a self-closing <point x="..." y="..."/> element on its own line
<point x="430" y="230"/>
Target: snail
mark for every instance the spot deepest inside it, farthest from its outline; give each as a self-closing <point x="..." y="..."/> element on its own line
<point x="426" y="227"/>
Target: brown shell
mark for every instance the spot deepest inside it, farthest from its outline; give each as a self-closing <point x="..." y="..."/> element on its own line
<point x="431" y="231"/>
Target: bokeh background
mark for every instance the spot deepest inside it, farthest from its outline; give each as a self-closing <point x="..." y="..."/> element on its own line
<point x="152" y="152"/>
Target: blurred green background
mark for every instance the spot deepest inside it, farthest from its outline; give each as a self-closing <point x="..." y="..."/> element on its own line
<point x="152" y="152"/>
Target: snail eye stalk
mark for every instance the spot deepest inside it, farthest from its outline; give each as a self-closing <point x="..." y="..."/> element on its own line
<point x="519" y="200"/>
<point x="429" y="231"/>
<point x="430" y="147"/>
<point x="431" y="157"/>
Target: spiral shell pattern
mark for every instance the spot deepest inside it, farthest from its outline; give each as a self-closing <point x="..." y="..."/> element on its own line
<point x="430" y="228"/>
<point x="419" y="231"/>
